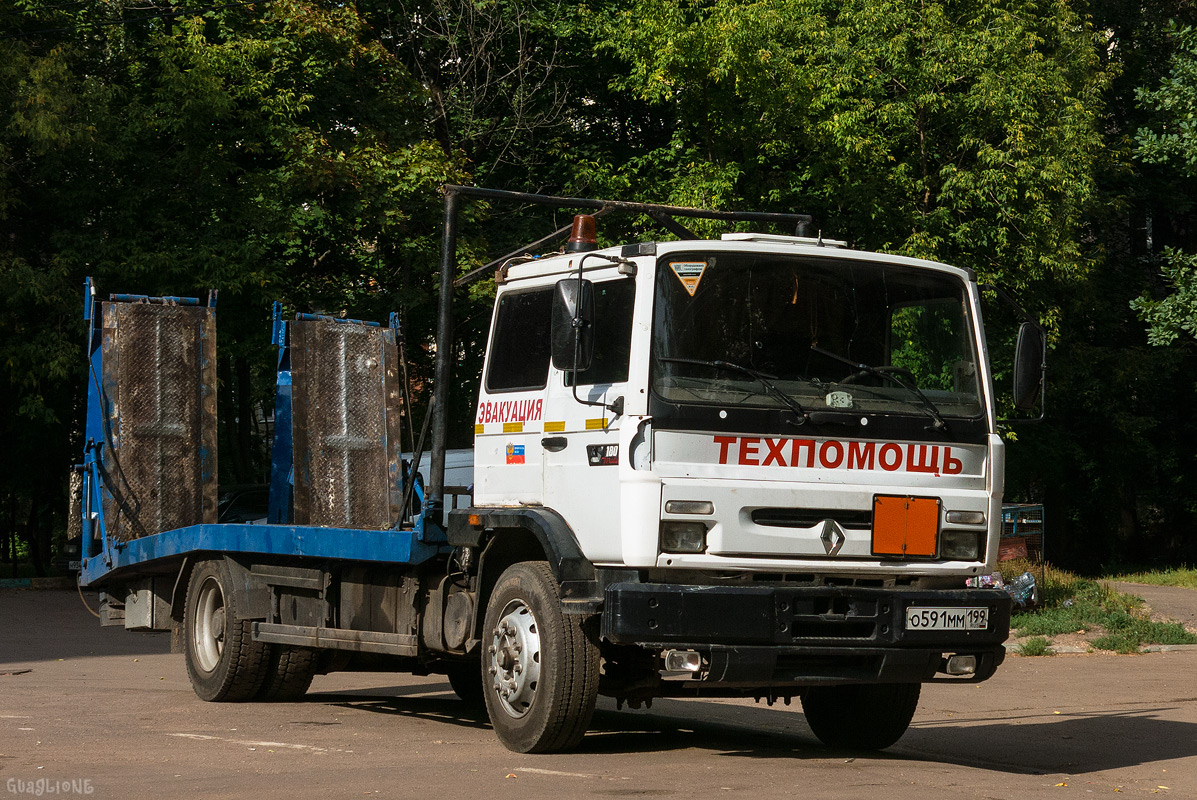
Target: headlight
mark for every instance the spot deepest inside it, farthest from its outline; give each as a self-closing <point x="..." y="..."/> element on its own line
<point x="683" y="537"/>
<point x="957" y="545"/>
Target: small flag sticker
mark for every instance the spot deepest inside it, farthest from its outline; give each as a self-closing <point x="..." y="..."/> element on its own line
<point x="689" y="273"/>
<point x="515" y="454"/>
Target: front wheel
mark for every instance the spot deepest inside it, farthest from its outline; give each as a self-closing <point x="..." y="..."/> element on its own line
<point x="541" y="668"/>
<point x="860" y="716"/>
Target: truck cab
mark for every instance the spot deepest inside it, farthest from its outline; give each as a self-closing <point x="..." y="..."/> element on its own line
<point x="765" y="390"/>
<point x="772" y="460"/>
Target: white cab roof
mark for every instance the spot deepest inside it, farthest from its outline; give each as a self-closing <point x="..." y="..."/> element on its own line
<point x="562" y="264"/>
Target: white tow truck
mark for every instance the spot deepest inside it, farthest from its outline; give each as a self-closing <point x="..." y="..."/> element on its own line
<point x="757" y="466"/>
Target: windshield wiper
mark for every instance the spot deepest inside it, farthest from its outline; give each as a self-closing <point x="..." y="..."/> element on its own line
<point x="891" y="374"/>
<point x="788" y="401"/>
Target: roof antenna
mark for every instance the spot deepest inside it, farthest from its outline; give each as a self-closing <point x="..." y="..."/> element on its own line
<point x="820" y="242"/>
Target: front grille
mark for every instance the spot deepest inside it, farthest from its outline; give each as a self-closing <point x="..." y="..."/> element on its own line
<point x="833" y="629"/>
<point x="810" y="517"/>
<point x="830" y="617"/>
<point x="810" y="579"/>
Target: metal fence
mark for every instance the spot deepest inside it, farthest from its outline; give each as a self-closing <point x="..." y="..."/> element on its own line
<point x="1023" y="535"/>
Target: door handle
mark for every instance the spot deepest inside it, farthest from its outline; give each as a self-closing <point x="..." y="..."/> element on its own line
<point x="554" y="444"/>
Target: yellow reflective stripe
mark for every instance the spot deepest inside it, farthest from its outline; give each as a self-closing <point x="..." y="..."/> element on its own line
<point x="595" y="424"/>
<point x="479" y="428"/>
<point x="554" y="427"/>
<point x="513" y="427"/>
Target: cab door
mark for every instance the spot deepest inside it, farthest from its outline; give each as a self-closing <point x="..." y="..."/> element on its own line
<point x="508" y="421"/>
<point x="580" y="443"/>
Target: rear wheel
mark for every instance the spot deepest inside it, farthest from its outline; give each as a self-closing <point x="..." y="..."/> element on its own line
<point x="289" y="673"/>
<point x="542" y="669"/>
<point x="224" y="663"/>
<point x="860" y="716"/>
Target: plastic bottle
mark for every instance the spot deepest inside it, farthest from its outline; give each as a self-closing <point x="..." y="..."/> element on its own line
<point x="1022" y="589"/>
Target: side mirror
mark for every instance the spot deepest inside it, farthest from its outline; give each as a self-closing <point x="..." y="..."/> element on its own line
<point x="573" y="325"/>
<point x="1028" y="366"/>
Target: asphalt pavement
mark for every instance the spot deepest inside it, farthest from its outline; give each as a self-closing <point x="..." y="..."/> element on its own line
<point x="105" y="712"/>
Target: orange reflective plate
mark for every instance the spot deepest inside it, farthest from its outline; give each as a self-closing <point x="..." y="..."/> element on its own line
<point x="905" y="526"/>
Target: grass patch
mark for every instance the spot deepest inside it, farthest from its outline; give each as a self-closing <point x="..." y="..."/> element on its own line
<point x="1142" y="631"/>
<point x="1035" y="646"/>
<point x="1185" y="577"/>
<point x="1072" y="604"/>
<point x="1128" y="633"/>
<point x="1080" y="607"/>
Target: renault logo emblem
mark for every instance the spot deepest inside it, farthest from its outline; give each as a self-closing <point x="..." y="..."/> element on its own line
<point x="833" y="537"/>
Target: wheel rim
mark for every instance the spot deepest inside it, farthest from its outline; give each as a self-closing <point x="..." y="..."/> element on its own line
<point x="514" y="655"/>
<point x="207" y="635"/>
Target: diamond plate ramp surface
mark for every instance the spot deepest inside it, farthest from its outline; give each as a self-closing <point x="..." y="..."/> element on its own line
<point x="160" y="385"/>
<point x="345" y="418"/>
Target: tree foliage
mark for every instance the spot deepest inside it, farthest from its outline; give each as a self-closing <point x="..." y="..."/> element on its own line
<point x="1175" y="314"/>
<point x="292" y="150"/>
<point x="278" y="152"/>
<point x="959" y="131"/>
<point x="1171" y="141"/>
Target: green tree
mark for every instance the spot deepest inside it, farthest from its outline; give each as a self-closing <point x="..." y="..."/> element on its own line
<point x="962" y="131"/>
<point x="1176" y="314"/>
<point x="276" y="151"/>
<point x="292" y="150"/>
<point x="1113" y="461"/>
<point x="1170" y="141"/>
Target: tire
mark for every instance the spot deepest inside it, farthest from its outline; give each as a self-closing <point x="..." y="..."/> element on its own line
<point x="466" y="679"/>
<point x="289" y="673"/>
<point x="541" y="668"/>
<point x="224" y="663"/>
<point x="860" y="716"/>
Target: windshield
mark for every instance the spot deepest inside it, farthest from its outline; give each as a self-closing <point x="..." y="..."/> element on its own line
<point x="831" y="334"/>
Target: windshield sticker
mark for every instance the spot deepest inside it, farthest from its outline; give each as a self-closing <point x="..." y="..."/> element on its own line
<point x="689" y="273"/>
<point x="515" y="454"/>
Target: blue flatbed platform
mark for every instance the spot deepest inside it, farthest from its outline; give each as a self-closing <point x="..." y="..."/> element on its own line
<point x="141" y="555"/>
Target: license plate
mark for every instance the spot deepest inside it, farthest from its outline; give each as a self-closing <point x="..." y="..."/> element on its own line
<point x="946" y="619"/>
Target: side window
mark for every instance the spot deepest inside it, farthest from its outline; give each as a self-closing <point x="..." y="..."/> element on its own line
<point x="519" y="354"/>
<point x="613" y="305"/>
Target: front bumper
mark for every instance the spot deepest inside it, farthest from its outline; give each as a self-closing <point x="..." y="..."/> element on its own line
<point x="777" y="635"/>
